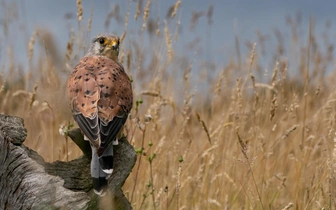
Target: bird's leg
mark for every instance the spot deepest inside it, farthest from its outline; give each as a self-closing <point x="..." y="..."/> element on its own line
<point x="115" y="142"/>
<point x="119" y="136"/>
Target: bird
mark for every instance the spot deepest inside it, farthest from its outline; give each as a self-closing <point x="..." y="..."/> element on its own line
<point x="100" y="98"/>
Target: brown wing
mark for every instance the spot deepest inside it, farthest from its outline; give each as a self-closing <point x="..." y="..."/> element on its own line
<point x="116" y="99"/>
<point x="100" y="95"/>
<point x="83" y="95"/>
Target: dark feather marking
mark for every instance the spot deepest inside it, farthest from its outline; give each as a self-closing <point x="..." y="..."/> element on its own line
<point x="88" y="126"/>
<point x="109" y="133"/>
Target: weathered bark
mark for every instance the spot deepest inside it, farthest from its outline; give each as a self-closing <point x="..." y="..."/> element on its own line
<point x="28" y="182"/>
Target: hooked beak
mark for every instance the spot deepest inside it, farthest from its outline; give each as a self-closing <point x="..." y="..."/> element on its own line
<point x="113" y="45"/>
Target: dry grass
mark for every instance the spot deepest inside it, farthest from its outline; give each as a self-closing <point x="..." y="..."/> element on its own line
<point x="253" y="138"/>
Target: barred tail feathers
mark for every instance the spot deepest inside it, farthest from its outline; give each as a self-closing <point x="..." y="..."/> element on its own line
<point x="99" y="177"/>
<point x="106" y="160"/>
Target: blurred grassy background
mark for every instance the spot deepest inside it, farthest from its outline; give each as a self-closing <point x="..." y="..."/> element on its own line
<point x="253" y="133"/>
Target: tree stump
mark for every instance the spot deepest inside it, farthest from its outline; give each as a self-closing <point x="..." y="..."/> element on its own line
<point x="28" y="182"/>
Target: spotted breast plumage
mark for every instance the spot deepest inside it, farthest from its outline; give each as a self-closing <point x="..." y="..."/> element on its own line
<point x="100" y="97"/>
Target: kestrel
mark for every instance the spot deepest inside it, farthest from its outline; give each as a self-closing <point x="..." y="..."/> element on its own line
<point x="100" y="97"/>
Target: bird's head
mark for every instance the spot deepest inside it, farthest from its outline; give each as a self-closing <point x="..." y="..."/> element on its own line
<point x="106" y="45"/>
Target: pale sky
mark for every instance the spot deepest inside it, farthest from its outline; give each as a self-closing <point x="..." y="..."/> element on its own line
<point x="216" y="41"/>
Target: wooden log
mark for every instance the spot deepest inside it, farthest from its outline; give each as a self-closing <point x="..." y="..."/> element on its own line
<point x="28" y="182"/>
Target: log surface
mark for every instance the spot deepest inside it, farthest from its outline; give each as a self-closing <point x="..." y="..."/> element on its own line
<point x="28" y="182"/>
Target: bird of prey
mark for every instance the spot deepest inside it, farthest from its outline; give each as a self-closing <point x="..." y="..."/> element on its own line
<point x="100" y="97"/>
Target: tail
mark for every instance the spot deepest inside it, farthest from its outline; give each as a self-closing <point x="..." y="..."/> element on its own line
<point x="101" y="169"/>
<point x="106" y="160"/>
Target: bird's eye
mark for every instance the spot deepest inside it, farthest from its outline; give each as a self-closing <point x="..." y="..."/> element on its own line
<point x="101" y="40"/>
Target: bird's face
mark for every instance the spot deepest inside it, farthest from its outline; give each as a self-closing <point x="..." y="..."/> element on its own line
<point x="107" y="45"/>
